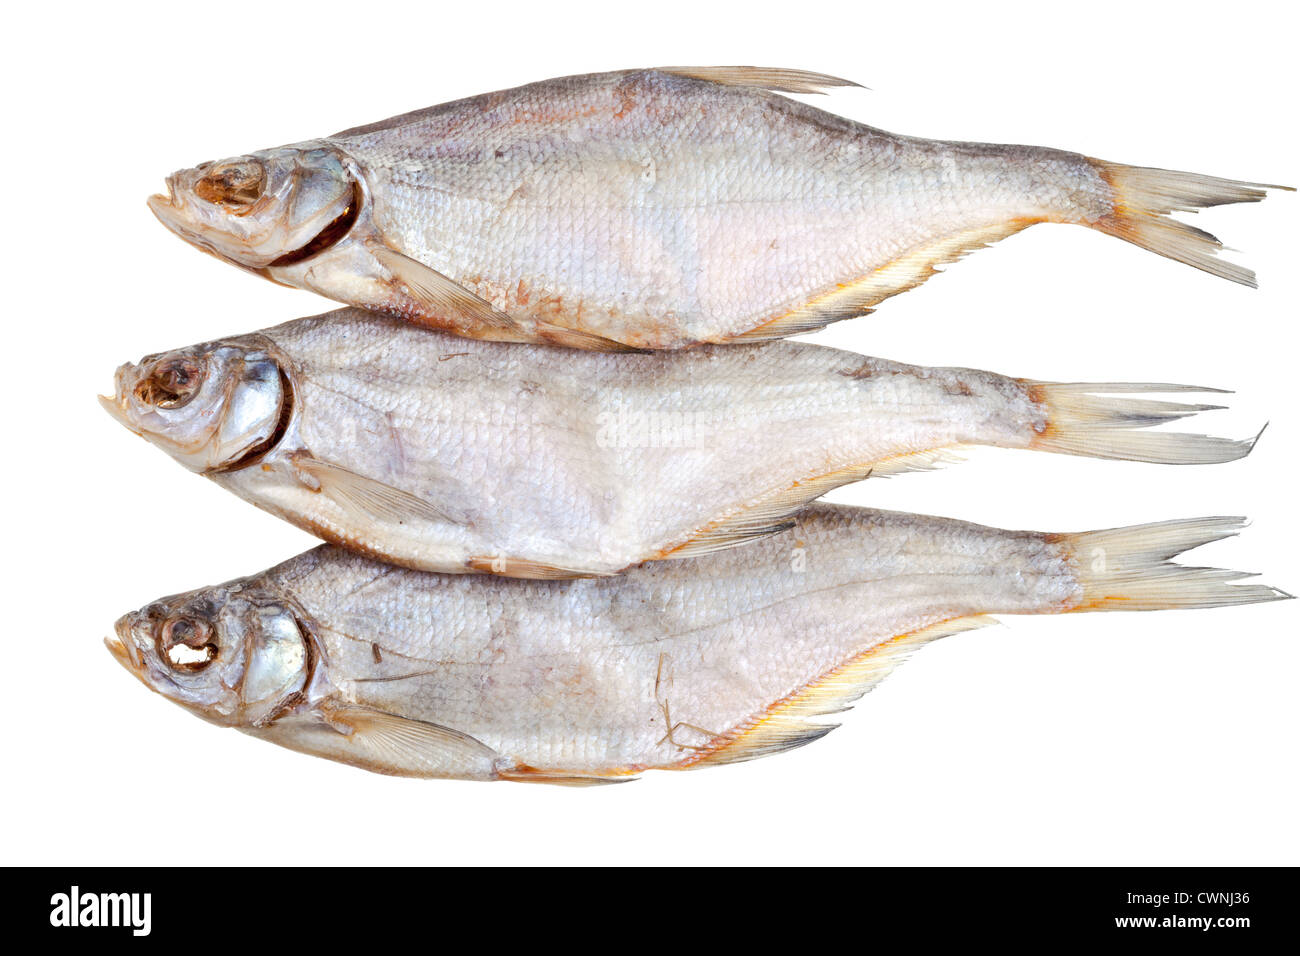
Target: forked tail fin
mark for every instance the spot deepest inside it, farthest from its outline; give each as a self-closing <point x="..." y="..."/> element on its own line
<point x="1129" y="569"/>
<point x="1144" y="197"/>
<point x="1102" y="420"/>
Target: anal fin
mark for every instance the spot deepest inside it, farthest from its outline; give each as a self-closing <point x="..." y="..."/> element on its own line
<point x="857" y="297"/>
<point x="522" y="773"/>
<point x="787" y="724"/>
<point x="810" y="318"/>
<point x="926" y="460"/>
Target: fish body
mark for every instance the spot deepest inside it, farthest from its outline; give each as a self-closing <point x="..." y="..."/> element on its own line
<point x="444" y="454"/>
<point x="652" y="209"/>
<point x="723" y="657"/>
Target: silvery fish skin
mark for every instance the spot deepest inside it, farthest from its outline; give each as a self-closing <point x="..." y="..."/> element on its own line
<point x="720" y="658"/>
<point x="652" y="209"/>
<point x="444" y="454"/>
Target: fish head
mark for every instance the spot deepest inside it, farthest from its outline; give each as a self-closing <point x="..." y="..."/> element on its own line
<point x="211" y="406"/>
<point x="263" y="209"/>
<point x="234" y="655"/>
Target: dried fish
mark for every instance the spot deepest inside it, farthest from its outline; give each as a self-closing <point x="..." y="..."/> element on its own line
<point x="716" y="659"/>
<point x="653" y="209"/>
<point x="444" y="454"/>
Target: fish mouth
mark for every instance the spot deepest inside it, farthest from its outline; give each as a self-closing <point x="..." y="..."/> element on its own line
<point x="182" y="221"/>
<point x="117" y="409"/>
<point x="158" y="199"/>
<point x="172" y="210"/>
<point x="159" y="202"/>
<point x="122" y="646"/>
<point x="116" y="405"/>
<point x="168" y="211"/>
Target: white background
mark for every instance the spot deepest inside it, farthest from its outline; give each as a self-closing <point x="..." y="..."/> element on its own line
<point x="1164" y="738"/>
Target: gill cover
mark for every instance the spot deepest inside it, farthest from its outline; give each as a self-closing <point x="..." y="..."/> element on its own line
<point x="269" y="208"/>
<point x="211" y="407"/>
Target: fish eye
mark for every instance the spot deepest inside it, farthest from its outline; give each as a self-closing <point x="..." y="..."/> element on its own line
<point x="232" y="184"/>
<point x="187" y="643"/>
<point x="171" y="383"/>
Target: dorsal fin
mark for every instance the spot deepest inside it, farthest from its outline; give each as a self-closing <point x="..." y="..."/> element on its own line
<point x="770" y="516"/>
<point x="527" y="568"/>
<point x="746" y="526"/>
<point x="773" y="515"/>
<point x="785" y="725"/>
<point x="774" y="78"/>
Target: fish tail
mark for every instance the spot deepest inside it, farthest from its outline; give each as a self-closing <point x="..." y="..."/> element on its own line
<point x="1143" y="197"/>
<point x="1104" y="420"/>
<point x="1129" y="569"/>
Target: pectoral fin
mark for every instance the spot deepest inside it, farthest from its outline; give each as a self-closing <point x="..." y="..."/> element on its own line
<point x="443" y="298"/>
<point x="450" y="302"/>
<point x="359" y="495"/>
<point x="379" y="740"/>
